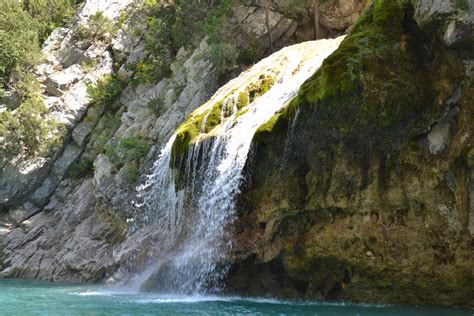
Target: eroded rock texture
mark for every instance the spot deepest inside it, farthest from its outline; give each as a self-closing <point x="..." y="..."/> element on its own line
<point x="65" y="226"/>
<point x="362" y="187"/>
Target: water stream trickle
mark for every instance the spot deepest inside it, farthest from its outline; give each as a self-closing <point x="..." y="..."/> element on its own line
<point x="191" y="224"/>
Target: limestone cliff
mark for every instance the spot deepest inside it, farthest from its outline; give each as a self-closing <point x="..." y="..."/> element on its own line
<point x="64" y="214"/>
<point x="360" y="189"/>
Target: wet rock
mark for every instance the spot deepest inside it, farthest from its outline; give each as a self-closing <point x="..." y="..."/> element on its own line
<point x="340" y="220"/>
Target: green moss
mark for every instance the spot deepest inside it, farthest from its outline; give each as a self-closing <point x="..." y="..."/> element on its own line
<point x="213" y="117"/>
<point x="243" y="99"/>
<point x="377" y="84"/>
<point x="192" y="127"/>
<point x="260" y="87"/>
<point x="268" y="126"/>
<point x="240" y="113"/>
<point x="207" y="121"/>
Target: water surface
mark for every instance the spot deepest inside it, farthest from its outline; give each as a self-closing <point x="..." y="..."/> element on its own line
<point x="39" y="298"/>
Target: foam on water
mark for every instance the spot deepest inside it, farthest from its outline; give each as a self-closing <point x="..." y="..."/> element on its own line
<point x="185" y="299"/>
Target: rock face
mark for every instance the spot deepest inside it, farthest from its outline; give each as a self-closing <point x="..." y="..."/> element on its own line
<point x="335" y="16"/>
<point x="53" y="217"/>
<point x="371" y="201"/>
<point x="369" y="198"/>
<point x="63" y="77"/>
<point x="71" y="243"/>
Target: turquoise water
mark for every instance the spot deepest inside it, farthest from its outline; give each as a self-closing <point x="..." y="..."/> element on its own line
<point x="37" y="298"/>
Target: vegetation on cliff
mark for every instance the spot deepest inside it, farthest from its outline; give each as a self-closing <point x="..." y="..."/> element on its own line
<point x="376" y="89"/>
<point x="183" y="24"/>
<point x="24" y="127"/>
<point x="23" y="26"/>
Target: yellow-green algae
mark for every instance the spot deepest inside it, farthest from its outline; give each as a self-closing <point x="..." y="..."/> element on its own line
<point x="203" y="122"/>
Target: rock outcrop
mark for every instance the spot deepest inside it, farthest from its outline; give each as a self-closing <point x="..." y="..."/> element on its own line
<point x="369" y="198"/>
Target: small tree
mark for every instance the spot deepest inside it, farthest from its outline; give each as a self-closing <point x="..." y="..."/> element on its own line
<point x="98" y="27"/>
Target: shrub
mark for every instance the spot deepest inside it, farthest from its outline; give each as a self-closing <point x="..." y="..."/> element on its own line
<point x="463" y="5"/>
<point x="27" y="87"/>
<point x="156" y="106"/>
<point x="183" y="23"/>
<point x="223" y="52"/>
<point x="50" y="14"/>
<point x="132" y="171"/>
<point x="105" y="91"/>
<point x="81" y="168"/>
<point x="19" y="45"/>
<point x="26" y="131"/>
<point x="127" y="153"/>
<point x="133" y="148"/>
<point x="98" y="26"/>
<point x="223" y="56"/>
<point x="105" y="129"/>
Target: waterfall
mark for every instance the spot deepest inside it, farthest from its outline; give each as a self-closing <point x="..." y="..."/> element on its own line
<point x="192" y="222"/>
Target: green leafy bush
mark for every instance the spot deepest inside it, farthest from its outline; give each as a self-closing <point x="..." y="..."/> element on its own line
<point x="127" y="153"/>
<point x="81" y="168"/>
<point x="27" y="87"/>
<point x="50" y="14"/>
<point x="25" y="130"/>
<point x="98" y="26"/>
<point x="463" y="5"/>
<point x="156" y="106"/>
<point x="133" y="148"/>
<point x="183" y="23"/>
<point x="106" y="90"/>
<point x="19" y="44"/>
<point x="132" y="171"/>
<point x="223" y="52"/>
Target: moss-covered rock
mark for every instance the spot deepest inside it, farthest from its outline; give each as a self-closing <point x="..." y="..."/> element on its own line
<point x="210" y="115"/>
<point x="354" y="204"/>
<point x="378" y="85"/>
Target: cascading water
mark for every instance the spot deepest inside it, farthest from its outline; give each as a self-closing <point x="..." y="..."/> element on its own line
<point x="191" y="221"/>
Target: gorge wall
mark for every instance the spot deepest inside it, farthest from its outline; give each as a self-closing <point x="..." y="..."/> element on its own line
<point x="368" y="198"/>
<point x="64" y="213"/>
